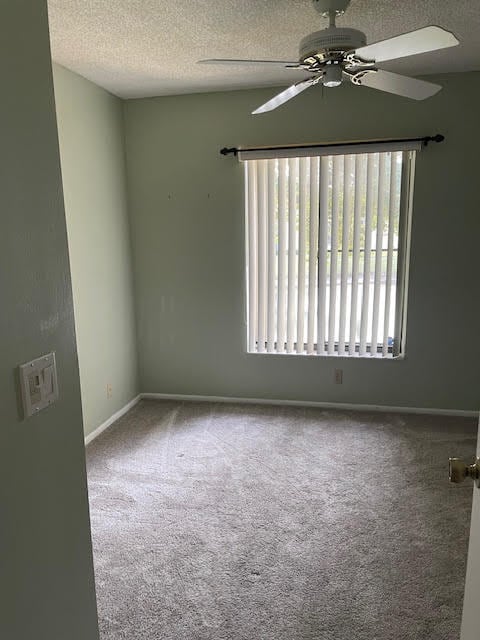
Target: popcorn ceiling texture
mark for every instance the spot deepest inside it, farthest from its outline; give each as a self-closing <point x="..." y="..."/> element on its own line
<point x="237" y="522"/>
<point x="139" y="48"/>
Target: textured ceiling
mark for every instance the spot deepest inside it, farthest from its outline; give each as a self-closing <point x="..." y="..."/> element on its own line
<point x="137" y="48"/>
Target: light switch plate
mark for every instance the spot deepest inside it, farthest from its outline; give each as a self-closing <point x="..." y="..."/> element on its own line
<point x="38" y="380"/>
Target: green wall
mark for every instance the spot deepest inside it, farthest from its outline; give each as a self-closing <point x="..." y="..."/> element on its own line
<point x="90" y="125"/>
<point x="186" y="206"/>
<point x="46" y="574"/>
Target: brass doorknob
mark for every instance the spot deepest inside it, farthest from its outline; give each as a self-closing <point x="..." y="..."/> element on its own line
<point x="460" y="471"/>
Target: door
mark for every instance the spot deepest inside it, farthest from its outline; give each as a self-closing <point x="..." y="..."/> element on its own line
<point x="471" y="607"/>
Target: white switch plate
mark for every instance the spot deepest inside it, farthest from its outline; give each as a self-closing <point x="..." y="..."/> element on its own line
<point x="38" y="380"/>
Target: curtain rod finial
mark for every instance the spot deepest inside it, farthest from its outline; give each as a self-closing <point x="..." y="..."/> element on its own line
<point x="437" y="138"/>
<point x="226" y="151"/>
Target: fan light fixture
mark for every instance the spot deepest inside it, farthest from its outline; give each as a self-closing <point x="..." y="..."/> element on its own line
<point x="340" y="53"/>
<point x="332" y="76"/>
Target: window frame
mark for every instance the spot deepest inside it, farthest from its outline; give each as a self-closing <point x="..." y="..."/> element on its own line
<point x="397" y="350"/>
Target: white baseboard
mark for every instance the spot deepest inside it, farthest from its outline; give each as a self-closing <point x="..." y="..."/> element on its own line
<point x="121" y="412"/>
<point x="268" y="401"/>
<point x="305" y="403"/>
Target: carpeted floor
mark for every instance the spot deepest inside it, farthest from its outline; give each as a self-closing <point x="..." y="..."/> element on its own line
<point x="229" y="522"/>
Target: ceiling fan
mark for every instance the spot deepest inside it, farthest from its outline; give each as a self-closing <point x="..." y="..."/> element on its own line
<point x="336" y="54"/>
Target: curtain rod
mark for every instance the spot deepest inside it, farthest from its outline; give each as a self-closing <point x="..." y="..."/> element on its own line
<point x="425" y="140"/>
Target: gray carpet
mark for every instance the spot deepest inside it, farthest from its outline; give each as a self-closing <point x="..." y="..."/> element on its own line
<point x="233" y="522"/>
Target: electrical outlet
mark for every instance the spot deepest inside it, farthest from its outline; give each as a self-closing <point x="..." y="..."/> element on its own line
<point x="109" y="391"/>
<point x="338" y="376"/>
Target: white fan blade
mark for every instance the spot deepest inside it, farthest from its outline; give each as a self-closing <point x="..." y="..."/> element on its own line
<point x="286" y="95"/>
<point x="400" y="85"/>
<point x="250" y="63"/>
<point x="409" y="44"/>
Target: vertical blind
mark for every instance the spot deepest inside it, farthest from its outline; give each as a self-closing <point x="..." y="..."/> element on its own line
<point x="326" y="253"/>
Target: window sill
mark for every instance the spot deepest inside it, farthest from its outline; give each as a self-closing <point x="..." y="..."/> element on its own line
<point x="336" y="356"/>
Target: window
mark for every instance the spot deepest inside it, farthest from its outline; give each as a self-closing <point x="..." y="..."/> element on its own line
<point x="327" y="251"/>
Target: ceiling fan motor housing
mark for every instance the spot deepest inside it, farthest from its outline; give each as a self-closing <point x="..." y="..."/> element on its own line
<point x="321" y="43"/>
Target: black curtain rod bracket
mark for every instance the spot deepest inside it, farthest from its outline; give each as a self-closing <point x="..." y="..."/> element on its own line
<point x="226" y="151"/>
<point x="437" y="138"/>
